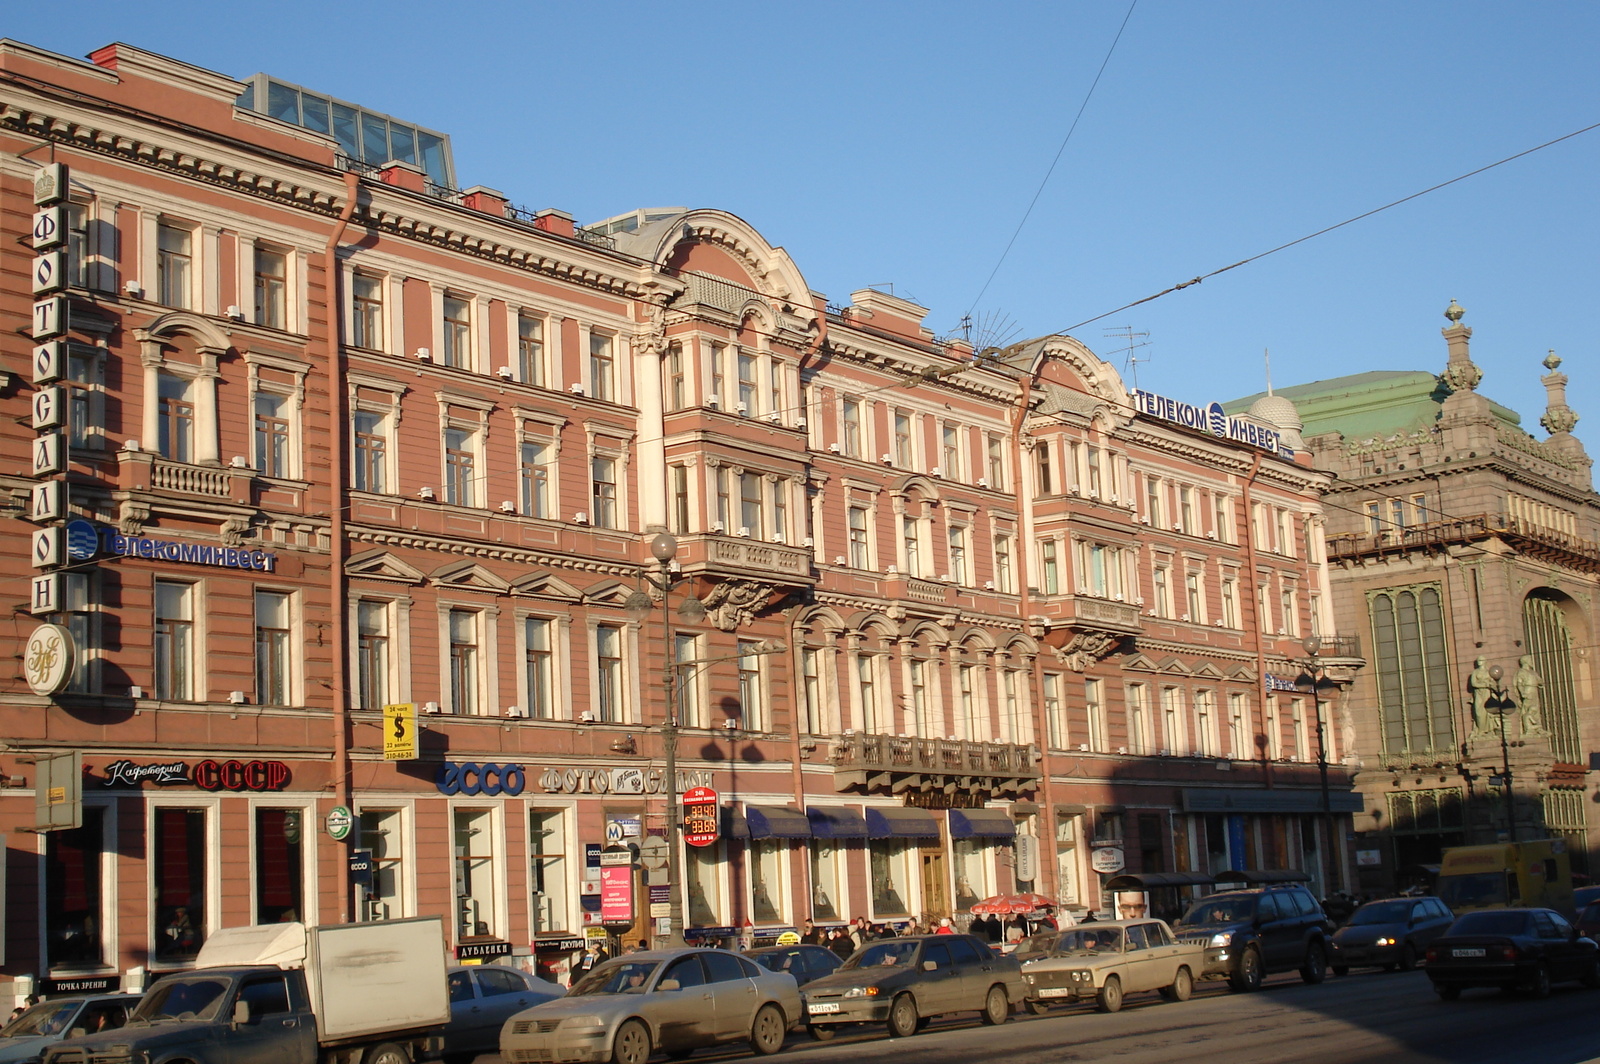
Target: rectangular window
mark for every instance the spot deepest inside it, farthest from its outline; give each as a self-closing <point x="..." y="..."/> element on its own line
<point x="464" y="664"/>
<point x="273" y="680"/>
<point x="371" y="450"/>
<point x="902" y="439"/>
<point x="1230" y="604"/>
<point x="911" y="544"/>
<point x="475" y="873"/>
<point x="174" y="261"/>
<point x="677" y="385"/>
<point x="1419" y="510"/>
<point x="890" y="863"/>
<point x="85" y="427"/>
<point x="1041" y="464"/>
<point x="967" y="702"/>
<point x="950" y="451"/>
<point x="752" y="688"/>
<point x="921" y="706"/>
<point x="176" y="413"/>
<point x="1014" y="724"/>
<point x="79" y="247"/>
<point x="610" y="677"/>
<point x="702" y="869"/>
<point x="678" y="503"/>
<point x="1050" y="575"/>
<point x="1152" y="501"/>
<point x="539" y="667"/>
<point x="764" y="861"/>
<point x="811" y="690"/>
<point x="1224" y="519"/>
<point x="1186" y="510"/>
<point x="547" y="859"/>
<point x="280" y="865"/>
<point x="1055" y="712"/>
<point x="1285" y="530"/>
<point x="460" y="487"/>
<point x="1093" y="459"/>
<point x="1397" y="514"/>
<point x="1140" y="727"/>
<point x="859" y="556"/>
<point x="178" y="859"/>
<point x="724" y="501"/>
<point x="174" y="641"/>
<point x="272" y="288"/>
<point x="958" y="554"/>
<point x="1193" y="602"/>
<point x="1414" y="681"/>
<point x="74" y="904"/>
<point x="747" y="383"/>
<point x="1163" y="593"/>
<point x="372" y="654"/>
<point x="1302" y="742"/>
<point x="530" y="350"/>
<point x="534" y="477"/>
<point x="602" y="367"/>
<point x="780" y="510"/>
<point x="867" y="691"/>
<point x="603" y="470"/>
<point x="1374" y="518"/>
<point x="686" y="654"/>
<point x="1239" y="727"/>
<point x="457" y="333"/>
<point x="852" y="427"/>
<point x="272" y="435"/>
<point x="1174" y="729"/>
<point x="1274" y="729"/>
<point x="719" y="374"/>
<point x="826" y="860"/>
<point x="1002" y="564"/>
<point x="382" y="835"/>
<point x="1286" y="606"/>
<point x="997" y="463"/>
<point x="750" y="505"/>
<point x="366" y="318"/>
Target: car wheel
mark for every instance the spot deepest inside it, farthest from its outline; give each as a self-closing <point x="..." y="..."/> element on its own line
<point x="821" y="1033"/>
<point x="1248" y="976"/>
<point x="1038" y="1008"/>
<point x="1408" y="958"/>
<point x="387" y="1053"/>
<point x="903" y="1017"/>
<point x="1315" y="968"/>
<point x="766" y="1033"/>
<point x="1447" y="993"/>
<point x="1182" y="986"/>
<point x="631" y="1044"/>
<point x="1340" y="970"/>
<point x="1110" y="997"/>
<point x="997" y="1007"/>
<point x="1539" y="985"/>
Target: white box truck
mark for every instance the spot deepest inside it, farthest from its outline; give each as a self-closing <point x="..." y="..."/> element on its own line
<point x="369" y="993"/>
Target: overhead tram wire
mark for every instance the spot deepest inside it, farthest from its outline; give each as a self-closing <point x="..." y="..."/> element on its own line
<point x="1053" y="162"/>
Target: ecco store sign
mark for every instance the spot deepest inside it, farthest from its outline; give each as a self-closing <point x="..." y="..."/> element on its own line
<point x="85" y="540"/>
<point x="491" y="779"/>
<point x="472" y="778"/>
<point x="1212" y="419"/>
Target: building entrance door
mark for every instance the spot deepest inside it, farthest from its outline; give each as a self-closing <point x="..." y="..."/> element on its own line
<point x="934" y="903"/>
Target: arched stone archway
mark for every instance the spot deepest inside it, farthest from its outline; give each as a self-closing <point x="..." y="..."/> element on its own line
<point x="1552" y="626"/>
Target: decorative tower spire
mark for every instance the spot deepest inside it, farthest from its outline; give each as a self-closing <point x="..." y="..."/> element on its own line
<point x="1461" y="374"/>
<point x="1558" y="417"/>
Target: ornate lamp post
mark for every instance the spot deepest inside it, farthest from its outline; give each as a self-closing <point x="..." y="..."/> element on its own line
<point x="1314" y="679"/>
<point x="1497" y="674"/>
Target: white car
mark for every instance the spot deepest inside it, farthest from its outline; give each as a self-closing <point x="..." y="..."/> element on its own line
<point x="1104" y="962"/>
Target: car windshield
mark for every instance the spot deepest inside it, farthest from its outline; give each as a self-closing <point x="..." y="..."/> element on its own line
<point x="1480" y="888"/>
<point x="1383" y="912"/>
<point x="1491" y="923"/>
<point x="1221" y="910"/>
<point x="189" y="998"/>
<point x="1041" y="943"/>
<point x="616" y="977"/>
<point x="1090" y="940"/>
<point x="45" y="1018"/>
<point x="883" y="955"/>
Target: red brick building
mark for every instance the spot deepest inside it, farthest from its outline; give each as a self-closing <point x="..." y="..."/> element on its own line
<point x="338" y="435"/>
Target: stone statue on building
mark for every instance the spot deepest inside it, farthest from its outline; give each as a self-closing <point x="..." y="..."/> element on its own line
<point x="1527" y="684"/>
<point x="1481" y="686"/>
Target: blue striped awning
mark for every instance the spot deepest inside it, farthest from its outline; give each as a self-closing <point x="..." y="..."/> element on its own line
<point x="900" y="822"/>
<point x="982" y="823"/>
<point x="836" y="822"/>
<point x="776" y="822"/>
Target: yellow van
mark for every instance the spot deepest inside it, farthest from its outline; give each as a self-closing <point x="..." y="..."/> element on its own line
<point x="1507" y="875"/>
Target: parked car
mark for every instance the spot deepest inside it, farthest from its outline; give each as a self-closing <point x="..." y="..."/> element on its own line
<point x="1526" y="949"/>
<point x="1039" y="944"/>
<point x="904" y="982"/>
<point x="1253" y="931"/>
<point x="1588" y="924"/>
<point x="22" y="1041"/>
<point x="482" y="998"/>
<point x="804" y="962"/>
<point x="674" y="1001"/>
<point x="1391" y="933"/>
<point x="1104" y="962"/>
<point x="1582" y="897"/>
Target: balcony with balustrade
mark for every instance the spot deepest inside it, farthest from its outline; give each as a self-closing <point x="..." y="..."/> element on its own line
<point x="901" y="764"/>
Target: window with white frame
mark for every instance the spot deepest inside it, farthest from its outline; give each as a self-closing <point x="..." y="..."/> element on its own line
<point x="176" y="410"/>
<point x="1161" y="591"/>
<point x="1092" y="462"/>
<point x="903" y="456"/>
<point x="1055" y="711"/>
<point x="549" y="870"/>
<point x="1302" y="740"/>
<point x="271" y="287"/>
<point x="1141" y="729"/>
<point x="457" y="318"/>
<point x="280" y="864"/>
<point x="1187" y="523"/>
<point x="86" y="395"/>
<point x="1174" y="729"/>
<point x="1288" y="611"/>
<point x="536" y="461"/>
<point x="366" y="311"/>
<point x="1154" y="512"/>
<point x="477" y="879"/>
<point x="968" y="725"/>
<point x="827" y="861"/>
<point x="1274" y="729"/>
<point x="463" y="630"/>
<point x="275" y="684"/>
<point x="1205" y="722"/>
<point x="1049" y="568"/>
<point x="611" y="680"/>
<point x="1230" y="603"/>
<point x="752" y="687"/>
<point x="604" y="509"/>
<point x="752" y="521"/>
<point x="852" y="439"/>
<point x="539" y="667"/>
<point x="674" y="380"/>
<point x="275" y="452"/>
<point x="960" y="561"/>
<point x="180" y="868"/>
<point x="679" y="508"/>
<point x="175" y="264"/>
<point x="460" y="465"/>
<point x="717" y="356"/>
<point x="602" y="366"/>
<point x="889" y="861"/>
<point x="1013" y="720"/>
<point x="383" y="835"/>
<point x="860" y="554"/>
<point x="370" y="441"/>
<point x="950" y="462"/>
<point x="1095" y="706"/>
<point x="1285" y="528"/>
<point x="869" y="692"/>
<point x="531" y="365"/>
<point x="1004" y="547"/>
<point x="80" y="246"/>
<point x="1223" y="518"/>
<point x="703" y="868"/>
<point x="1239" y="745"/>
<point x="1044" y="477"/>
<point x="1194" y="600"/>
<point x="749" y="391"/>
<point x="995" y="450"/>
<point x="174" y="641"/>
<point x="374" y="653"/>
<point x="812" y="691"/>
<point x="765" y="862"/>
<point x="921" y="704"/>
<point x="688" y="648"/>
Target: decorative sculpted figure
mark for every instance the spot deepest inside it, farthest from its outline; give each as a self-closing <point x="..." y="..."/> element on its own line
<point x="1481" y="685"/>
<point x="1527" y="683"/>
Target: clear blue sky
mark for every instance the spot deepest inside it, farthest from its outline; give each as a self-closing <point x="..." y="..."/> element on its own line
<point x="900" y="142"/>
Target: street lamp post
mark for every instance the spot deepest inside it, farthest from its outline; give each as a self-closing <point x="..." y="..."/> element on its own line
<point x="663" y="548"/>
<point x="1316" y="672"/>
<point x="1497" y="674"/>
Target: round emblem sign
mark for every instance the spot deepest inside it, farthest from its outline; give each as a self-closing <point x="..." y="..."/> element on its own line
<point x="339" y="823"/>
<point x="1108" y="860"/>
<point x="48" y="659"/>
<point x="83" y="540"/>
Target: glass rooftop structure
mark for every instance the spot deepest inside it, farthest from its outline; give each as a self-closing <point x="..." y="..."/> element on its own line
<point x="365" y="136"/>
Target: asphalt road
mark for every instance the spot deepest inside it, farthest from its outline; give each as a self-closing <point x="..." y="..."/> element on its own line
<point x="1377" y="1017"/>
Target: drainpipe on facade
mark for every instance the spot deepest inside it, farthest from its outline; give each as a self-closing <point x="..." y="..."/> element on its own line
<point x="1255" y="614"/>
<point x="796" y="644"/>
<point x="336" y="542"/>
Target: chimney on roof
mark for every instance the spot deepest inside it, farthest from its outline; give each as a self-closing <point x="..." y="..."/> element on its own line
<point x="403" y="175"/>
<point x="487" y="200"/>
<point x="554" y="221"/>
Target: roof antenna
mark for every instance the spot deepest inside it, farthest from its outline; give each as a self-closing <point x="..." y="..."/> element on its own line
<point x="1130" y="362"/>
<point x="1266" y="356"/>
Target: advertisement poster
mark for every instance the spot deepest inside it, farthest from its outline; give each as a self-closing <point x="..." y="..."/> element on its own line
<point x="616" y="895"/>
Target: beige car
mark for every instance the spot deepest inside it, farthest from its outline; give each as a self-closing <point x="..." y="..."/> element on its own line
<point x="1104" y="962"/>
<point x="672" y="1001"/>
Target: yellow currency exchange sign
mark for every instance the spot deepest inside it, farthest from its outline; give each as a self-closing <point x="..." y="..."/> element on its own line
<point x="400" y="732"/>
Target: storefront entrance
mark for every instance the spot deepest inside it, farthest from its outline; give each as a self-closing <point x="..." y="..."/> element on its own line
<point x="935" y="904"/>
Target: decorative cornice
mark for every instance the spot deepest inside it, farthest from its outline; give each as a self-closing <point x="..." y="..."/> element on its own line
<point x="495" y="552"/>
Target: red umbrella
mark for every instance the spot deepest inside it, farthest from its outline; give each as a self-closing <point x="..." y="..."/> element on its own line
<point x="1002" y="904"/>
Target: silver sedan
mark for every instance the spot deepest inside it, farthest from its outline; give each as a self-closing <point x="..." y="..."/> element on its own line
<point x="674" y="1001"/>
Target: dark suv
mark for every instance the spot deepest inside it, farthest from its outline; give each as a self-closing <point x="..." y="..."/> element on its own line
<point x="1250" y="932"/>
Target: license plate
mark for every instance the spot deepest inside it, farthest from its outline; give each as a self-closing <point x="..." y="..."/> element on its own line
<point x="1467" y="953"/>
<point x="1056" y="991"/>
<point x="823" y="1007"/>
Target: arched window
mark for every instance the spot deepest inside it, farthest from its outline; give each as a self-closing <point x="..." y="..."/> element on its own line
<point x="1413" y="670"/>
